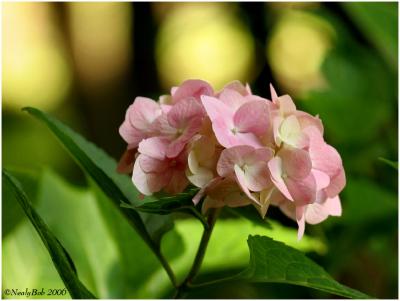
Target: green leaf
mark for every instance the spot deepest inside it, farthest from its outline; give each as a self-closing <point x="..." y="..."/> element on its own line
<point x="227" y="249"/>
<point x="378" y="22"/>
<point x="130" y="247"/>
<point x="181" y="202"/>
<point x="24" y="248"/>
<point x="168" y="204"/>
<point x="12" y="213"/>
<point x="61" y="259"/>
<point x="103" y="246"/>
<point x="393" y="164"/>
<point x="102" y="169"/>
<point x="72" y="214"/>
<point x="273" y="261"/>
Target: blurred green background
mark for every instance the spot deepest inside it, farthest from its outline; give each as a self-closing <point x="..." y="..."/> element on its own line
<point x="85" y="63"/>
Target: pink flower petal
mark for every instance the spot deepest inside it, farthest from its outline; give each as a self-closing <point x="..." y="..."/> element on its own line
<point x="337" y="184"/>
<point x="307" y="120"/>
<point x="143" y="112"/>
<point x="265" y="200"/>
<point x="322" y="179"/>
<point x="300" y="218"/>
<point x="187" y="117"/>
<point x="252" y="162"/>
<point x="154" y="147"/>
<point x="222" y="130"/>
<point x="296" y="162"/>
<point x="257" y="176"/>
<point x="211" y="203"/>
<point x="201" y="177"/>
<point x="246" y="139"/>
<point x="191" y="88"/>
<point x="290" y="132"/>
<point x="165" y="108"/>
<point x="276" y="170"/>
<point x="139" y="179"/>
<point x="274" y="95"/>
<point x="303" y="191"/>
<point x="232" y="156"/>
<point x="252" y="117"/>
<point x="286" y="105"/>
<point x="241" y="180"/>
<point x="324" y="157"/>
<point x="177" y="182"/>
<point x="131" y="135"/>
<point x="161" y="127"/>
<point x="288" y="208"/>
<point x="315" y="213"/>
<point x="221" y="116"/>
<point x="260" y="154"/>
<point x="151" y="165"/>
<point x="276" y="124"/>
<point x="213" y="183"/>
<point x="277" y="198"/>
<point x="178" y="145"/>
<point x="233" y="99"/>
<point x="227" y="193"/>
<point x="184" y="112"/>
<point x="333" y="206"/>
<point x="238" y="87"/>
<point x="216" y="109"/>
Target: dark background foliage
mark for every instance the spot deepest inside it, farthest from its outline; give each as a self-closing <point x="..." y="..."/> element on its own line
<point x="85" y="63"/>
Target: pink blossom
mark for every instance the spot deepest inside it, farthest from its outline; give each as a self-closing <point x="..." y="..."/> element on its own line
<point x="312" y="214"/>
<point x="224" y="192"/>
<point x="237" y="119"/>
<point x="248" y="166"/>
<point x="291" y="173"/>
<point x="202" y="160"/>
<point x="154" y="171"/>
<point x="190" y="88"/>
<point x="238" y="87"/>
<point x="238" y="148"/>
<point x="288" y="123"/>
<point x="137" y="126"/>
<point x="178" y="117"/>
<point x="138" y="120"/>
<point x="326" y="164"/>
<point x="182" y="121"/>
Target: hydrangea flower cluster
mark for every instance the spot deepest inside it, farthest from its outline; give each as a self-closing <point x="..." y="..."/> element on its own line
<point x="238" y="148"/>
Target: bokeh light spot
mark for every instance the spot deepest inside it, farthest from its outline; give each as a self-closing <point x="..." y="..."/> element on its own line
<point x="204" y="41"/>
<point x="35" y="68"/>
<point x="297" y="49"/>
<point x="101" y="39"/>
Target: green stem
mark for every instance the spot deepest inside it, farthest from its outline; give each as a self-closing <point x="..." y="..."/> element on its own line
<point x="212" y="282"/>
<point x="167" y="268"/>
<point x="199" y="216"/>
<point x="212" y="217"/>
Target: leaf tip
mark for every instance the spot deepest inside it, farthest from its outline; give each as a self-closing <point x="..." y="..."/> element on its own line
<point x="26" y="109"/>
<point x="31" y="110"/>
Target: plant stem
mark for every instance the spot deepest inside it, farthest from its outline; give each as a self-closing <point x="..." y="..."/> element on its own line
<point x="167" y="268"/>
<point x="211" y="219"/>
<point x="200" y="217"/>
